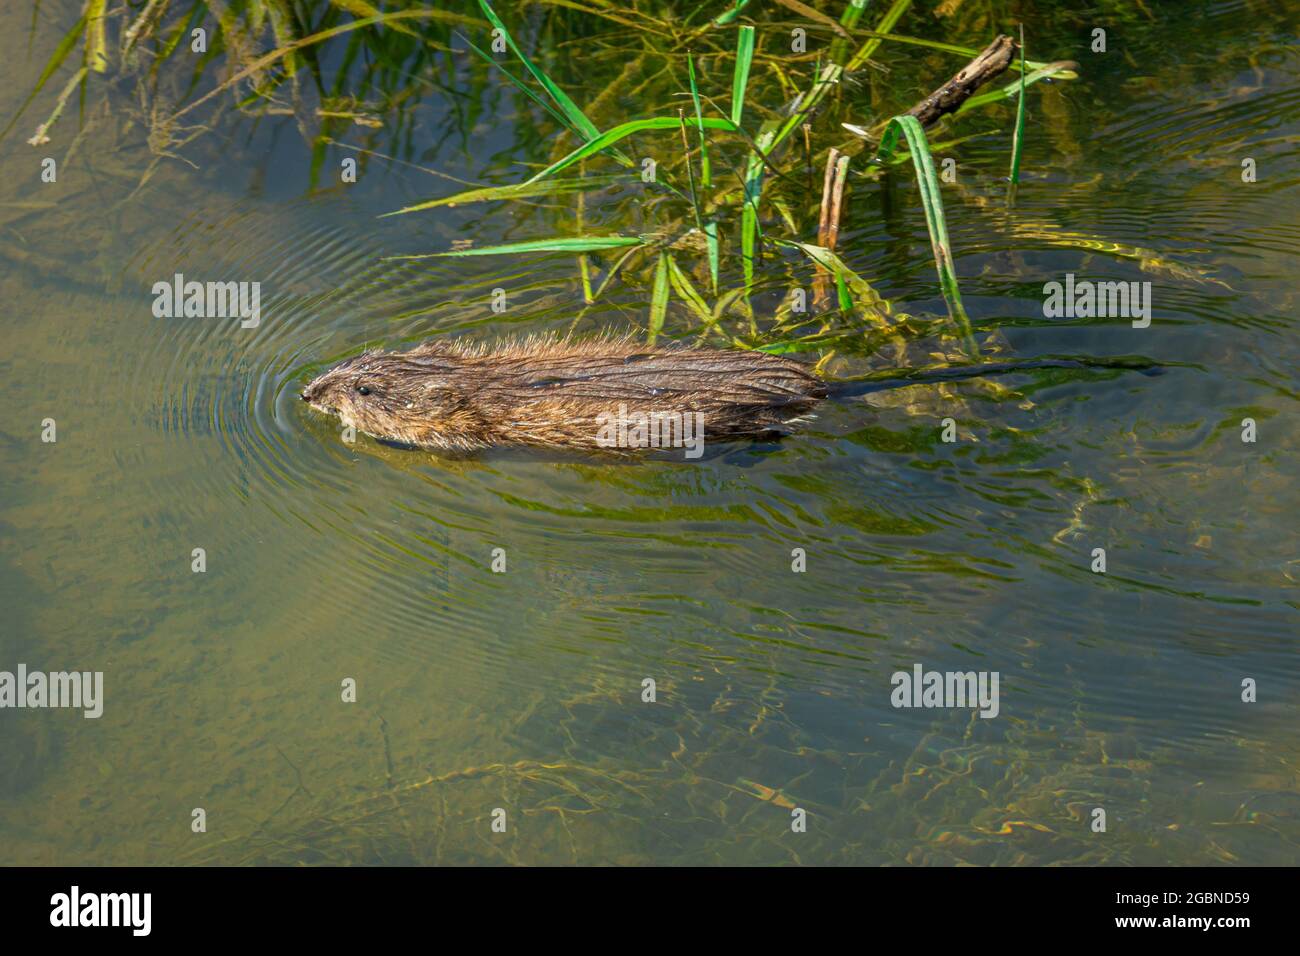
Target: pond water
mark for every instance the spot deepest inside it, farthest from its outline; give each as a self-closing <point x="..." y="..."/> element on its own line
<point x="328" y="562"/>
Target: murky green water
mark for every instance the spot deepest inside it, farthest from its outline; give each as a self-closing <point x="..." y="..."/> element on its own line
<point x="522" y="690"/>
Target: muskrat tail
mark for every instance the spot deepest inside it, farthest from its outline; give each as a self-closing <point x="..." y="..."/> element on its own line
<point x="901" y="378"/>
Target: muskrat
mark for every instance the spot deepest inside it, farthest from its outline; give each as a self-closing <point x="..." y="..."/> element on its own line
<point x="561" y="393"/>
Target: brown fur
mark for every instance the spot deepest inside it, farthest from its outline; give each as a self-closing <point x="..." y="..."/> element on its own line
<point x="551" y="392"/>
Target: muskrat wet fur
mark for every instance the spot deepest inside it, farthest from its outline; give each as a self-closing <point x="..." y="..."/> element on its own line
<point x="557" y="393"/>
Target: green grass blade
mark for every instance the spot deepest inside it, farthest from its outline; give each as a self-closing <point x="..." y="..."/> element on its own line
<point x="842" y="294"/>
<point x="52" y="65"/>
<point x="1018" y="140"/>
<point x="900" y="156"/>
<point x="360" y="9"/>
<point x="686" y="291"/>
<point x="1052" y="70"/>
<point x="817" y="342"/>
<point x="853" y="13"/>
<point x="552" y="187"/>
<point x="726" y="17"/>
<point x="283" y="30"/>
<point x="740" y="79"/>
<point x="623" y="130"/>
<point x="830" y="76"/>
<point x="690" y="171"/>
<point x="523" y="87"/>
<point x="659" y="298"/>
<point x="576" y="117"/>
<point x="853" y="290"/>
<point x="928" y="183"/>
<point x="886" y="24"/>
<point x="96" y="43"/>
<point x="957" y="49"/>
<point x="711" y="237"/>
<point x="706" y="173"/>
<point x="848" y="20"/>
<point x="608" y="277"/>
<point x="567" y="244"/>
<point x="41" y="136"/>
<point x="181" y="31"/>
<point x="752" y="194"/>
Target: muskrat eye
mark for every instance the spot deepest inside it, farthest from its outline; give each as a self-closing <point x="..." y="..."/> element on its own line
<point x="363" y="390"/>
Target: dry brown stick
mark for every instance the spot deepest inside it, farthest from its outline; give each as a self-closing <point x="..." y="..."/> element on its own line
<point x="828" y="226"/>
<point x="992" y="62"/>
<point x="827" y="182"/>
<point x="807" y="153"/>
<point x="823" y="223"/>
<point x="837" y="201"/>
<point x="804" y="10"/>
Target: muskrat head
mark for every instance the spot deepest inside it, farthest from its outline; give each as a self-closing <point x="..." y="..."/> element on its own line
<point x="351" y="390"/>
<point x="400" y="396"/>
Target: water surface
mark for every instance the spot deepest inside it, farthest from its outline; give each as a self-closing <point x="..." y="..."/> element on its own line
<point x="522" y="690"/>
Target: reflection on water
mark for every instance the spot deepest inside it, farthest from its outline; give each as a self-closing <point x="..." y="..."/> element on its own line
<point x="523" y="690"/>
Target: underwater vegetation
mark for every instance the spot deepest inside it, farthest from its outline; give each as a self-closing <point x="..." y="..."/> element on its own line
<point x="756" y="174"/>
